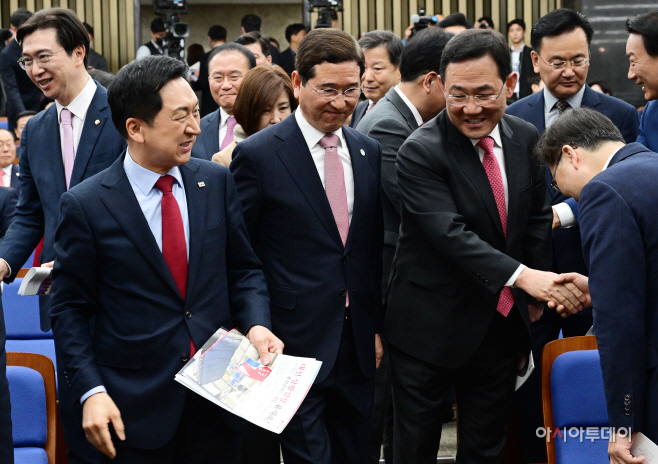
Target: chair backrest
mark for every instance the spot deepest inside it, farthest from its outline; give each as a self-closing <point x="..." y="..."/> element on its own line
<point x="575" y="414"/>
<point x="22" y="319"/>
<point x="44" y="347"/>
<point x="34" y="408"/>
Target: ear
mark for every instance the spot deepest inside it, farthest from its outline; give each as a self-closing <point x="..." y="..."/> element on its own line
<point x="269" y="59"/>
<point x="511" y="84"/>
<point x="134" y="127"/>
<point x="79" y="53"/>
<point x="431" y="78"/>
<point x="535" y="61"/>
<point x="296" y="83"/>
<point x="570" y="155"/>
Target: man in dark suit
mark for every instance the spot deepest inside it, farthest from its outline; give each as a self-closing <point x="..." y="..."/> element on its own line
<point x="83" y="144"/>
<point x="616" y="189"/>
<point x="521" y="58"/>
<point x="9" y="176"/>
<point x="216" y="37"/>
<point x="124" y="242"/>
<point x="96" y="60"/>
<point x="561" y="41"/>
<point x="21" y="92"/>
<point x="311" y="192"/>
<point x="294" y="35"/>
<point x="642" y="52"/>
<point x="382" y="50"/>
<point x="227" y="65"/>
<point x="401" y="111"/>
<point x="474" y="234"/>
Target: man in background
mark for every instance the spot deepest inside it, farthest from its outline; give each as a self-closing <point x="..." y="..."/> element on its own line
<point x="22" y="119"/>
<point x="96" y="60"/>
<point x="154" y="47"/>
<point x="20" y="91"/>
<point x="9" y="176"/>
<point x="294" y="35"/>
<point x="252" y="23"/>
<point x="227" y="65"/>
<point x="216" y="37"/>
<point x="382" y="50"/>
<point x="455" y="23"/>
<point x="257" y="45"/>
<point x="521" y="58"/>
<point x="485" y="22"/>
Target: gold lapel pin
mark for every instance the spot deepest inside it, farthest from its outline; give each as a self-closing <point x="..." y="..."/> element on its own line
<point x="18" y="174"/>
<point x="97" y="122"/>
<point x="363" y="153"/>
<point x="202" y="184"/>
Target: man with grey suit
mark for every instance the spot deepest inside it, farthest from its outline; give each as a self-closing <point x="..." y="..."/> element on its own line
<point x="404" y="108"/>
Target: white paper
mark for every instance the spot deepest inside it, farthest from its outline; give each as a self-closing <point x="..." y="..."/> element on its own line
<point x="642" y="446"/>
<point x="37" y="281"/>
<point x="520" y="380"/>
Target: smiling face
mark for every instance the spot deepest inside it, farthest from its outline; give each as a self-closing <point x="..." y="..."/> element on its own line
<point x="327" y="115"/>
<point x="379" y="75"/>
<point x="230" y="67"/>
<point x="477" y="76"/>
<point x="643" y="67"/>
<point x="7" y="149"/>
<point x="566" y="82"/>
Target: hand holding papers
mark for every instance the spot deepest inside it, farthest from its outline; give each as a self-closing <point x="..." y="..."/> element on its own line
<point x="643" y="446"/>
<point x="227" y="371"/>
<point x="37" y="281"/>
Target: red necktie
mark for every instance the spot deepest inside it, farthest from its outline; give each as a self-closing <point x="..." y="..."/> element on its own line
<point x="491" y="167"/>
<point x="174" y="249"/>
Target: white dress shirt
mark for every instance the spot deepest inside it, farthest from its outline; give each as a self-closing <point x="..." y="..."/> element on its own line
<point x="78" y="108"/>
<point x="223" y="125"/>
<point x="312" y="137"/>
<point x="516" y="65"/>
<point x="500" y="157"/>
<point x="6" y="176"/>
<point x="149" y="197"/>
<point x="563" y="210"/>
<point x="411" y="106"/>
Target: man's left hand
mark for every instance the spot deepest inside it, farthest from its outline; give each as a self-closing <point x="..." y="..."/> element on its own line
<point x="619" y="450"/>
<point x="535" y="311"/>
<point x="556" y="219"/>
<point x="50" y="264"/>
<point x="379" y="350"/>
<point x="265" y="342"/>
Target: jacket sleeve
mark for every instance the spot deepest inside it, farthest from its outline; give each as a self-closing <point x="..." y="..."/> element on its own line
<point x="247" y="181"/>
<point x="11" y="85"/>
<point x="8" y="210"/>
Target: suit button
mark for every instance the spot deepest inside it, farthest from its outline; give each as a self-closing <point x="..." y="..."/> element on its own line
<point x="185" y="357"/>
<point x="343" y="292"/>
<point x="347" y="256"/>
<point x="627" y="397"/>
<point x="627" y="402"/>
<point x="188" y="314"/>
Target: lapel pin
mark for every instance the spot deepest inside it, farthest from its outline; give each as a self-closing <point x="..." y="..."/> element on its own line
<point x="18" y="174"/>
<point x="202" y="184"/>
<point x="97" y="122"/>
<point x="363" y="153"/>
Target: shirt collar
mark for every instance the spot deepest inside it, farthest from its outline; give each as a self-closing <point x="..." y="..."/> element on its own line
<point x="607" y="163"/>
<point x="7" y="170"/>
<point x="495" y="134"/>
<point x="575" y="101"/>
<point x="223" y="117"/>
<point x="143" y="178"/>
<point x="80" y="104"/>
<point x="312" y="135"/>
<point x="414" y="111"/>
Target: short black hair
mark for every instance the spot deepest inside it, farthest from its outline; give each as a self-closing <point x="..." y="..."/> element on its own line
<point x="518" y="22"/>
<point x="251" y="22"/>
<point x="293" y="29"/>
<point x="455" y="19"/>
<point x="487" y="20"/>
<point x="558" y="22"/>
<point x="69" y="31"/>
<point x="217" y="33"/>
<point x="423" y="53"/>
<point x="19" y="16"/>
<point x="476" y="43"/>
<point x="135" y="90"/>
<point x="390" y="41"/>
<point x="90" y="30"/>
<point x="158" y="25"/>
<point x="22" y="114"/>
<point x="534" y="80"/>
<point x="646" y="25"/>
<point x="249" y="38"/>
<point x="274" y="41"/>
<point x="581" y="127"/>
<point x="607" y="88"/>
<point x="234" y="47"/>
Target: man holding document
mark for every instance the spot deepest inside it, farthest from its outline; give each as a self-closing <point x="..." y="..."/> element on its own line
<point x="155" y="248"/>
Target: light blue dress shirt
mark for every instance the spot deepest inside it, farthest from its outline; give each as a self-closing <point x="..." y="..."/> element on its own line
<point x="149" y="197"/>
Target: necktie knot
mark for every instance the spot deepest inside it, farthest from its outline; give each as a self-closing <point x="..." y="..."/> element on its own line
<point x="487" y="144"/>
<point x="562" y="106"/>
<point x="165" y="183"/>
<point x="65" y="115"/>
<point x="329" y="141"/>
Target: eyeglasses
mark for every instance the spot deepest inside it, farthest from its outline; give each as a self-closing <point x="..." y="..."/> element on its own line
<point x="484" y="101"/>
<point x="561" y="64"/>
<point x="8" y="145"/>
<point x="233" y="78"/>
<point x="330" y="94"/>
<point x="42" y="60"/>
<point x="553" y="181"/>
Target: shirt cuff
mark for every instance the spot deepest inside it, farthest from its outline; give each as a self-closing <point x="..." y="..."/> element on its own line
<point x="563" y="210"/>
<point x="93" y="391"/>
<point x="511" y="280"/>
<point x="8" y="267"/>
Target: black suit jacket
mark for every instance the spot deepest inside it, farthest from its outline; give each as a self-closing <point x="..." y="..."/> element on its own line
<point x="294" y="233"/>
<point x="287" y="60"/>
<point x="208" y="104"/>
<point x="15" y="177"/>
<point x="97" y="61"/>
<point x="21" y="92"/>
<point x="527" y="71"/>
<point x="207" y="142"/>
<point x="452" y="258"/>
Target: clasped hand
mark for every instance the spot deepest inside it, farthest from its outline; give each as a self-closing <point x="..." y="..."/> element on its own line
<point x="567" y="293"/>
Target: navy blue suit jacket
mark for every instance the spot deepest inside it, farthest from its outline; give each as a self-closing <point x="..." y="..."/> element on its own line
<point x="619" y="227"/>
<point x="15" y="177"/>
<point x="294" y="233"/>
<point x="207" y="142"/>
<point x="42" y="181"/>
<point x="8" y="199"/>
<point x="649" y="126"/>
<point x="568" y="253"/>
<point x="109" y="266"/>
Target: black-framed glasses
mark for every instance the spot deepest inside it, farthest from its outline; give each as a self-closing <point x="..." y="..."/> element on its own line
<point x="26" y="62"/>
<point x="559" y="65"/>
<point x="485" y="101"/>
<point x="330" y="94"/>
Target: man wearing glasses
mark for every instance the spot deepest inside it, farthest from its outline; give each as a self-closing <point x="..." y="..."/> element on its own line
<point x="227" y="65"/>
<point x="474" y="241"/>
<point x="60" y="147"/>
<point x="311" y="193"/>
<point x="561" y="42"/>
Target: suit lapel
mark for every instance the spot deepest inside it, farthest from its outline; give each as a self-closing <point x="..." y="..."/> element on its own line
<point x="196" y="211"/>
<point x="122" y="204"/>
<point x="590" y="98"/>
<point x="212" y="140"/>
<point x="513" y="159"/>
<point x="535" y="114"/>
<point x="90" y="133"/>
<point x="360" y="174"/>
<point x="13" y="177"/>
<point x="402" y="107"/>
<point x="51" y="152"/>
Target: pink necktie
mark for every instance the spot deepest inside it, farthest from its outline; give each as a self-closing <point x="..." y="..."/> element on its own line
<point x="228" y="138"/>
<point x="334" y="186"/>
<point x="491" y="167"/>
<point x="69" y="152"/>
